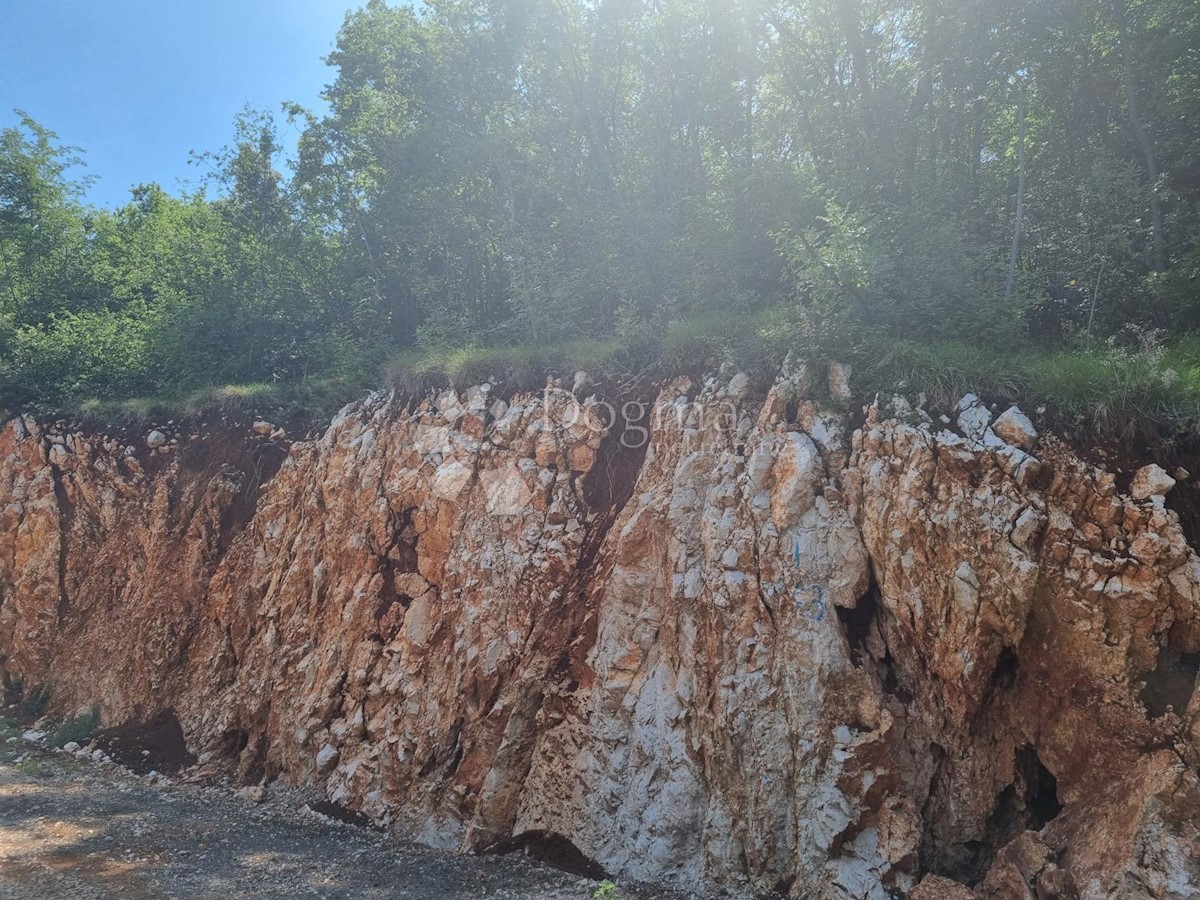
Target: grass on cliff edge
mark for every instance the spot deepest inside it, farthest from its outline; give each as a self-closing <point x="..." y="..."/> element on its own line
<point x="1117" y="391"/>
<point x="312" y="399"/>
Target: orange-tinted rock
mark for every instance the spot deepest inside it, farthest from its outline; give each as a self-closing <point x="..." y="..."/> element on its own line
<point x="759" y="650"/>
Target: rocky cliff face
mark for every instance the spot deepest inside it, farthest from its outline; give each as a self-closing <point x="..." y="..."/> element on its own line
<point x="713" y="637"/>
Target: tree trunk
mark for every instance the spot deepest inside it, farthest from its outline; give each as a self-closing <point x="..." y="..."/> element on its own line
<point x="922" y="101"/>
<point x="851" y="22"/>
<point x="750" y="71"/>
<point x="1095" y="296"/>
<point x="1010" y="284"/>
<point x="1142" y="138"/>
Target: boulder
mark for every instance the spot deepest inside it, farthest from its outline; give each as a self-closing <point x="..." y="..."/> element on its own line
<point x="327" y="758"/>
<point x="973" y="417"/>
<point x="1016" y="428"/>
<point x="252" y="793"/>
<point x="1150" y="481"/>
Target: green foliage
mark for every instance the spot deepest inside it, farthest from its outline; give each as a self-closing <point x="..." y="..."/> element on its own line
<point x="606" y="890"/>
<point x="75" y="728"/>
<point x="312" y="398"/>
<point x="1177" y="292"/>
<point x="511" y="189"/>
<point x="1119" y="390"/>
<point x="943" y="372"/>
<point x="1122" y="387"/>
<point x="77" y="354"/>
<point x="522" y="367"/>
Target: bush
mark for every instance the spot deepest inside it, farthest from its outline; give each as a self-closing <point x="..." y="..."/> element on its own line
<point x="77" y="355"/>
<point x="76" y="728"/>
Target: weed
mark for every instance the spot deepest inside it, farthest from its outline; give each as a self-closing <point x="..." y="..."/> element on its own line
<point x="75" y="728"/>
<point x="35" y="766"/>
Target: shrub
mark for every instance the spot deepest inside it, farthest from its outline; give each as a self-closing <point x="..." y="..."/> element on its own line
<point x="76" y="728"/>
<point x="74" y="356"/>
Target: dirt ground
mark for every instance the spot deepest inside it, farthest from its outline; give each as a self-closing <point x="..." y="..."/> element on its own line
<point x="74" y="828"/>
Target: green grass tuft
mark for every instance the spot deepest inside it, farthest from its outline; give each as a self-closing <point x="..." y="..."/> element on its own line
<point x="520" y="367"/>
<point x="314" y="398"/>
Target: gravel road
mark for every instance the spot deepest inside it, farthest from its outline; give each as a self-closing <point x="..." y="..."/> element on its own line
<point x="72" y="828"/>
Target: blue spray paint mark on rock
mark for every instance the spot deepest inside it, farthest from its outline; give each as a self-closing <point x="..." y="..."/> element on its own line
<point x="809" y="599"/>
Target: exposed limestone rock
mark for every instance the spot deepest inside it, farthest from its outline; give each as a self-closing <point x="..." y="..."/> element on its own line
<point x="155" y="439"/>
<point x="757" y="649"/>
<point x="973" y="417"/>
<point x="1151" y="481"/>
<point x="729" y="555"/>
<point x="1014" y="426"/>
<point x="327" y="757"/>
<point x="839" y="382"/>
<point x="252" y="793"/>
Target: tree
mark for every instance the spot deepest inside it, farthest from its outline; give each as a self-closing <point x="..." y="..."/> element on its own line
<point x="1019" y="224"/>
<point x="42" y="226"/>
<point x="535" y="171"/>
<point x="1141" y="135"/>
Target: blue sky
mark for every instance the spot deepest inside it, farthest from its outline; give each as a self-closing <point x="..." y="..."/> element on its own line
<point x="137" y="84"/>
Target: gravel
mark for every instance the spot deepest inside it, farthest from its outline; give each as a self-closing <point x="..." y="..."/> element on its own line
<point x="75" y="828"/>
